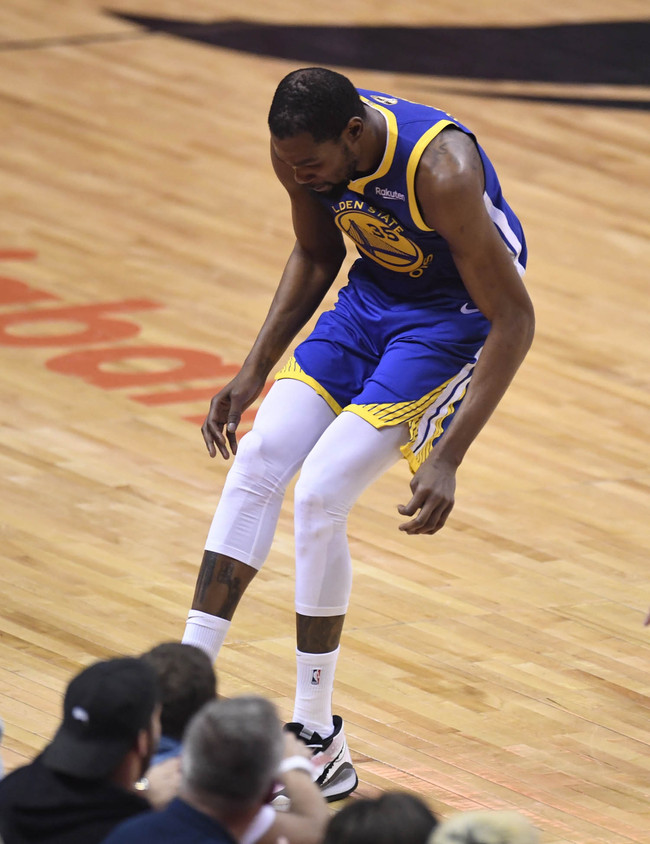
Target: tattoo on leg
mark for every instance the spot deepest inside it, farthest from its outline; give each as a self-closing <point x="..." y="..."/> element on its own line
<point x="205" y="574"/>
<point x="234" y="591"/>
<point x="224" y="575"/>
<point x="220" y="584"/>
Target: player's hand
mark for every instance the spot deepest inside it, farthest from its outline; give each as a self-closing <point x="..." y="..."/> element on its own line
<point x="433" y="487"/>
<point x="225" y="411"/>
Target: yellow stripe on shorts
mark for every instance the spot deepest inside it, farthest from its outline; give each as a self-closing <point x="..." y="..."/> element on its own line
<point x="395" y="413"/>
<point x="425" y="417"/>
<point x="292" y="370"/>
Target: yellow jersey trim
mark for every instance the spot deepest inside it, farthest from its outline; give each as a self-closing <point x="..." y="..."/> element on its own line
<point x="415" y="460"/>
<point x="395" y="413"/>
<point x="409" y="413"/>
<point x="412" y="166"/>
<point x="359" y="185"/>
<point x="292" y="370"/>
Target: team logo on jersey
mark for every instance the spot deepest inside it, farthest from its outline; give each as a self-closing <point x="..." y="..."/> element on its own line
<point x="384" y="100"/>
<point x="379" y="236"/>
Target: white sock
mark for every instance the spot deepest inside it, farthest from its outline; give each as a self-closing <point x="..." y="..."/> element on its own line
<point x="314" y="687"/>
<point x="205" y="631"/>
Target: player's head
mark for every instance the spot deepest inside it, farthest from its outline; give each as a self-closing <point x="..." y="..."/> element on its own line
<point x="316" y="121"/>
<point x="314" y="100"/>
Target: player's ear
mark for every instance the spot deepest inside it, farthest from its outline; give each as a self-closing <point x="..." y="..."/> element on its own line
<point x="354" y="129"/>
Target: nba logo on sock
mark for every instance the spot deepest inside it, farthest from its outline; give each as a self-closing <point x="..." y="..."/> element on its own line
<point x="315" y="676"/>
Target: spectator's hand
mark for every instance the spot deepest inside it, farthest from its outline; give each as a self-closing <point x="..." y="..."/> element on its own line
<point x="164" y="781"/>
<point x="294" y="747"/>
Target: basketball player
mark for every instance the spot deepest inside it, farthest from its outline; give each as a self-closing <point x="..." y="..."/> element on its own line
<point x="422" y="344"/>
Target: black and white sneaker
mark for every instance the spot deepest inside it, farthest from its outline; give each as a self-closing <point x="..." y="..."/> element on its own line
<point x="333" y="771"/>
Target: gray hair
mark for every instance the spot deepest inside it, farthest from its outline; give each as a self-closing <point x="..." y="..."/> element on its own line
<point x="232" y="749"/>
<point x="486" y="827"/>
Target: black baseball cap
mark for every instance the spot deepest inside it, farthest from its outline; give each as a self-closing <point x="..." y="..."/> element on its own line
<point x="104" y="709"/>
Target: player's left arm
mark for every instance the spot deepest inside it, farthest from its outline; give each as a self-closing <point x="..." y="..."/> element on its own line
<point x="449" y="187"/>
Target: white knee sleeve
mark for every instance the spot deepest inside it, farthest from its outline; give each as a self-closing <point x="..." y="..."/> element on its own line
<point x="346" y="459"/>
<point x="288" y="423"/>
<point x="245" y="519"/>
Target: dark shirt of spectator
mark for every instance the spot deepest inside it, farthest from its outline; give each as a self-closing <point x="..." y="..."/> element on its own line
<point x="83" y="783"/>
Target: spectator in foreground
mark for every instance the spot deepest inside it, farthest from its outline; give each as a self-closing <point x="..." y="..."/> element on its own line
<point x="232" y="750"/>
<point x="84" y="782"/>
<point x="187" y="681"/>
<point x="393" y="817"/>
<point x="488" y="827"/>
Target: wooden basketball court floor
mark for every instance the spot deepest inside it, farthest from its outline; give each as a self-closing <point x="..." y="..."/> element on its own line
<point x="502" y="663"/>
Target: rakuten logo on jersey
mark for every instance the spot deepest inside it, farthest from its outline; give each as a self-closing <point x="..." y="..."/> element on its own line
<point x="385" y="193"/>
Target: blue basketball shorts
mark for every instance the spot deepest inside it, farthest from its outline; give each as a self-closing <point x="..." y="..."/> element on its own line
<point x="393" y="362"/>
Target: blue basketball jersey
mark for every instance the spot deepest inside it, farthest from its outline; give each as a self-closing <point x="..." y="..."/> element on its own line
<point x="401" y="344"/>
<point x="399" y="252"/>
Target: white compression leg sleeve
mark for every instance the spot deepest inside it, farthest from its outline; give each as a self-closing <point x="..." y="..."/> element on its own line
<point x="346" y="459"/>
<point x="290" y="420"/>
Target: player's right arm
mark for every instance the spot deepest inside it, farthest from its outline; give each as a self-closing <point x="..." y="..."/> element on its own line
<point x="309" y="273"/>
